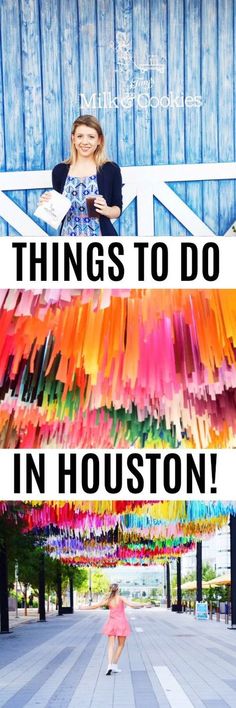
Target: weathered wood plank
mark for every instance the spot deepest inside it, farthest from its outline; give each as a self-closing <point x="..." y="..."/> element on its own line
<point x="106" y="73"/>
<point x="32" y="94"/>
<point x="193" y="144"/>
<point x="123" y="47"/>
<point x="159" y="115"/>
<point x="233" y="82"/>
<point x="141" y="56"/>
<point x="175" y="91"/>
<point x="3" y="225"/>
<point x="51" y="80"/>
<point x="88" y="70"/>
<point x="88" y="51"/>
<point x="226" y="110"/>
<point x="210" y="151"/>
<point x="12" y="92"/>
<point x="70" y="72"/>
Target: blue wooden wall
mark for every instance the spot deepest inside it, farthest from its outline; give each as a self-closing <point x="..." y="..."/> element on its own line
<point x="54" y="50"/>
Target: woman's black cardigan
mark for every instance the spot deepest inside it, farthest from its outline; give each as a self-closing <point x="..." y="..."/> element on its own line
<point x="109" y="185"/>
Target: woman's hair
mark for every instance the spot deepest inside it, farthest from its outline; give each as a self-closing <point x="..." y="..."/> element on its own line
<point x="100" y="153"/>
<point x="113" y="589"/>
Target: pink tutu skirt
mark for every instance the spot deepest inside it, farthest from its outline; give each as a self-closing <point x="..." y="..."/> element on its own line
<point x="117" y="625"/>
<point x="116" y="629"/>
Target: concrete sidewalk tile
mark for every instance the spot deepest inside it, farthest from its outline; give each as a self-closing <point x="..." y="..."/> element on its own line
<point x="231" y="683"/>
<point x="216" y="704"/>
<point x="39" y="662"/>
<point x="29" y="689"/>
<point x="143" y="691"/>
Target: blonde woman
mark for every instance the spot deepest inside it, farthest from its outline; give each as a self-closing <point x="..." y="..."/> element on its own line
<point x="88" y="172"/>
<point x="116" y="627"/>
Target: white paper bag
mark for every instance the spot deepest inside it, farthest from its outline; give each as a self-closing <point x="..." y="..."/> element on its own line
<point x="54" y="210"/>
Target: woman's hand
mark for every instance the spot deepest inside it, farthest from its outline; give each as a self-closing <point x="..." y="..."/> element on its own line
<point x="85" y="607"/>
<point x="112" y="212"/>
<point x="101" y="206"/>
<point x="94" y="606"/>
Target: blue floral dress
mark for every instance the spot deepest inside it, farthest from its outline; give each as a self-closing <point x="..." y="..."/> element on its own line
<point x="77" y="222"/>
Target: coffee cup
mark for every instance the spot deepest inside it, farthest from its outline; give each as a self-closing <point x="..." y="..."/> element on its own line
<point x="92" y="213"/>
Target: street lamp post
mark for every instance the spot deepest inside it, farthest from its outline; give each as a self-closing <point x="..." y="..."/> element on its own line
<point x="4" y="589"/>
<point x="164" y="583"/>
<point x="59" y="595"/>
<point x="71" y="593"/>
<point x="168" y="593"/>
<point x="42" y="614"/>
<point x="233" y="570"/>
<point x="90" y="586"/>
<point x="179" y="592"/>
<point x="16" y="586"/>
<point x="199" y="571"/>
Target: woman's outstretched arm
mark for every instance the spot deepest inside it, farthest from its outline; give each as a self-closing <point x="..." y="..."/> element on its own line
<point x="94" y="606"/>
<point x="136" y="605"/>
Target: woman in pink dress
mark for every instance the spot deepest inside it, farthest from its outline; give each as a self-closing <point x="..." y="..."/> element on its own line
<point x="117" y="626"/>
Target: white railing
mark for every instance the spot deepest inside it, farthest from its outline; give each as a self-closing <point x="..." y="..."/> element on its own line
<point x="142" y="183"/>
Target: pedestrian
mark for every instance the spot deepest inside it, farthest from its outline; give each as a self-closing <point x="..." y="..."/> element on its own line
<point x="117" y="627"/>
<point x="88" y="173"/>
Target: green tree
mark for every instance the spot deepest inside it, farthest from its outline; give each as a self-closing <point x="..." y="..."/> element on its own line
<point x="24" y="548"/>
<point x="80" y="576"/>
<point x="100" y="583"/>
<point x="208" y="573"/>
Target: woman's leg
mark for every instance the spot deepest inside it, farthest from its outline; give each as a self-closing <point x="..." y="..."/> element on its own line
<point x="117" y="653"/>
<point x="111" y="646"/>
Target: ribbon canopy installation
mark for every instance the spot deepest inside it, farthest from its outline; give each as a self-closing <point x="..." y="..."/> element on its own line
<point x="147" y="368"/>
<point x="111" y="533"/>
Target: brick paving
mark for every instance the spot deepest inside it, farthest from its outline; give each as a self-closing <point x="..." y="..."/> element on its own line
<point x="169" y="660"/>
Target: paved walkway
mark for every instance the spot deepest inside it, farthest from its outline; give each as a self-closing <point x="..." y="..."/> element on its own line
<point x="32" y="614"/>
<point x="169" y="660"/>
